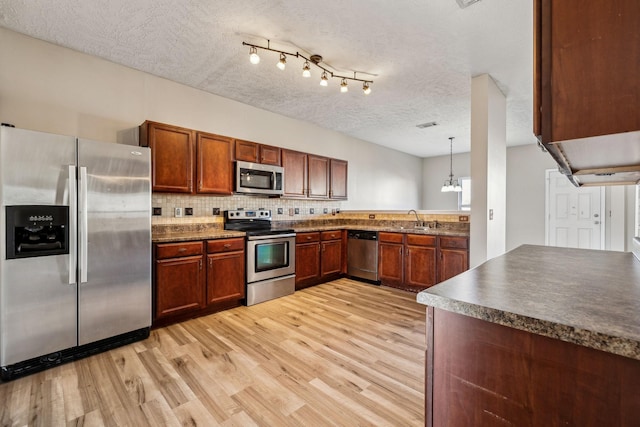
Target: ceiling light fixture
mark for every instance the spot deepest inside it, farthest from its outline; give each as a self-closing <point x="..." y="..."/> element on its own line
<point x="253" y="56"/>
<point x="343" y="86"/>
<point x="324" y="79"/>
<point x="306" y="68"/>
<point x="451" y="184"/>
<point x="282" y="62"/>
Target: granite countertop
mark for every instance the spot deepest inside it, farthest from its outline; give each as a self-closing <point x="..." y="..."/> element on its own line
<point x="586" y="297"/>
<point x="431" y="231"/>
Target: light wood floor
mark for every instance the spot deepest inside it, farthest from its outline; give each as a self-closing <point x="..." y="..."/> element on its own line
<point x="342" y="353"/>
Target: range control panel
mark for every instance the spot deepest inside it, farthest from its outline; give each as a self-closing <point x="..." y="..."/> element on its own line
<point x="264" y="214"/>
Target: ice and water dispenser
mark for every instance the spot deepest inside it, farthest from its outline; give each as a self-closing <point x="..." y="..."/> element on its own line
<point x="37" y="230"/>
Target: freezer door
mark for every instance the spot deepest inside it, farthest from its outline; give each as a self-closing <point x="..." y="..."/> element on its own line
<point x="114" y="256"/>
<point x="37" y="302"/>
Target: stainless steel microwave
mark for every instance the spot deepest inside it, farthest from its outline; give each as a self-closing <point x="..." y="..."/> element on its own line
<point x="256" y="178"/>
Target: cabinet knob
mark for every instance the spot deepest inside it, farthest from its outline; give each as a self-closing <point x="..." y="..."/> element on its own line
<point x="227" y="245"/>
<point x="308" y="237"/>
<point x="182" y="249"/>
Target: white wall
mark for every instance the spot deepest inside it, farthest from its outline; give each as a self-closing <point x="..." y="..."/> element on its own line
<point x="53" y="89"/>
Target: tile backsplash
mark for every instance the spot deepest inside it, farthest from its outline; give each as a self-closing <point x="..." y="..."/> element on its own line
<point x="203" y="207"/>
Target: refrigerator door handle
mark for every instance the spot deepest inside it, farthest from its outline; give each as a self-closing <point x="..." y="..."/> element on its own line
<point x="83" y="225"/>
<point x="73" y="228"/>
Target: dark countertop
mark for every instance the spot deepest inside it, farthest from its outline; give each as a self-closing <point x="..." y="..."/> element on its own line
<point x="586" y="297"/>
<point x="183" y="236"/>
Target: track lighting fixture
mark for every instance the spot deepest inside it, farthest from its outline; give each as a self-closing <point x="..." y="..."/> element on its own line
<point x="324" y="79"/>
<point x="451" y="184"/>
<point x="343" y="86"/>
<point x="306" y="67"/>
<point x="253" y="56"/>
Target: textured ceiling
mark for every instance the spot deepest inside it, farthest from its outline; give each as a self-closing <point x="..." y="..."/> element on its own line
<point x="424" y="53"/>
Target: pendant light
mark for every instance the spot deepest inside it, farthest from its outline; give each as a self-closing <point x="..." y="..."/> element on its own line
<point x="451" y="184"/>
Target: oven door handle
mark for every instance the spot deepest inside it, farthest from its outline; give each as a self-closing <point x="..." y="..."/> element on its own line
<point x="271" y="236"/>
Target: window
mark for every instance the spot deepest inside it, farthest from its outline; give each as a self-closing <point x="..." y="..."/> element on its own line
<point x="464" y="197"/>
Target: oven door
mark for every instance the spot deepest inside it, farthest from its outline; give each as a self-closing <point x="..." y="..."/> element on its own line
<point x="270" y="256"/>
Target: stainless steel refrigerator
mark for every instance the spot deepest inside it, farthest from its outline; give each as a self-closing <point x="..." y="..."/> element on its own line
<point x="75" y="252"/>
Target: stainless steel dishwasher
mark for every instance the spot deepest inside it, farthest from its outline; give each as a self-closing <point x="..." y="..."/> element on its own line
<point x="362" y="255"/>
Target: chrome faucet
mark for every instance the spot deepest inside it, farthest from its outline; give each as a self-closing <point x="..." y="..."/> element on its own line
<point x="418" y="222"/>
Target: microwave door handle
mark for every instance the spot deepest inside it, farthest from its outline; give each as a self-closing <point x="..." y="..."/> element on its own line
<point x="273" y="180"/>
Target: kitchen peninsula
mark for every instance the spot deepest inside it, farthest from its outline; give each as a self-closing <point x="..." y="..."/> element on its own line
<point x="538" y="336"/>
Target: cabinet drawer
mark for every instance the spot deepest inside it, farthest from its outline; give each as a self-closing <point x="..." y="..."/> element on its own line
<point x="421" y="240"/>
<point x="454" y="242"/>
<point x="330" y="235"/>
<point x="390" y="237"/>
<point x="308" y="237"/>
<point x="225" y="245"/>
<point x="175" y="250"/>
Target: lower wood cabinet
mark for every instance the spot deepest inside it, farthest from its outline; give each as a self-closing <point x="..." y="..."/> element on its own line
<point x="415" y="262"/>
<point x="319" y="257"/>
<point x="191" y="279"/>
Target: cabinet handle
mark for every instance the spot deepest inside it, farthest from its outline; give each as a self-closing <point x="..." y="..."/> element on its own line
<point x="182" y="249"/>
<point x="200" y="262"/>
<point x="227" y="245"/>
<point x="323" y="247"/>
<point x="210" y="262"/>
<point x="308" y="237"/>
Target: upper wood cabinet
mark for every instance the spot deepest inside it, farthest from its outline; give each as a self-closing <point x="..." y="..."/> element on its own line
<point x="315" y="177"/>
<point x="181" y="156"/>
<point x="257" y="153"/>
<point x="586" y="66"/>
<point x="587" y="90"/>
<point x="172" y="153"/>
<point x="214" y="165"/>
<point x="338" y="179"/>
<point x="295" y="173"/>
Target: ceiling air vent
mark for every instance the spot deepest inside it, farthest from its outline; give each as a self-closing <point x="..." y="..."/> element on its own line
<point x="466" y="3"/>
<point x="426" y="125"/>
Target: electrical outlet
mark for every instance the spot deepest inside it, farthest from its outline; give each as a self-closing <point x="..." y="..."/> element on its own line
<point x="325" y="210"/>
<point x="290" y="211"/>
<point x="490" y="214"/>
<point x="297" y="211"/>
<point x="372" y="216"/>
<point x="177" y="212"/>
<point x="333" y="211"/>
<point x="157" y="211"/>
<point x="216" y="211"/>
<point x="312" y="211"/>
<point x="280" y="211"/>
<point x="463" y="218"/>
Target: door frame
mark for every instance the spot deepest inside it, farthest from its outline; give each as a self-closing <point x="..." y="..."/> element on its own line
<point x="547" y="213"/>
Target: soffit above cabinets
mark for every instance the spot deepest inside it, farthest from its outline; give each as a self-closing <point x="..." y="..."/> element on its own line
<point x="601" y="160"/>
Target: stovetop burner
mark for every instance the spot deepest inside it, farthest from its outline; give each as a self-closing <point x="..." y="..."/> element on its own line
<point x="252" y="222"/>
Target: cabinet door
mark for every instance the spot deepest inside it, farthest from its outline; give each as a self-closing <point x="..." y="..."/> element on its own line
<point x="420" y="267"/>
<point x="318" y="177"/>
<point x="452" y="263"/>
<point x="247" y="151"/>
<point x="331" y="258"/>
<point x="307" y="263"/>
<point x="390" y="269"/>
<point x="295" y="173"/>
<point x="179" y="285"/>
<point x="225" y="277"/>
<point x="587" y="63"/>
<point x="215" y="168"/>
<point x="172" y="157"/>
<point x="270" y="155"/>
<point x="338" y="179"/>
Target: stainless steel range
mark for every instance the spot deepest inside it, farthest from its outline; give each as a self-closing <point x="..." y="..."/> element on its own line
<point x="271" y="254"/>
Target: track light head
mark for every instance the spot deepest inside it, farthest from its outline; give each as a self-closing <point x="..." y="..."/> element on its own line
<point x="253" y="56"/>
<point x="282" y="63"/>
<point x="324" y="79"/>
<point x="343" y="86"/>
<point x="366" y="88"/>
<point x="306" y="69"/>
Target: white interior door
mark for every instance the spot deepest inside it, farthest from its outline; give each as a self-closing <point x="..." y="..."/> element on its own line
<point x="574" y="214"/>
